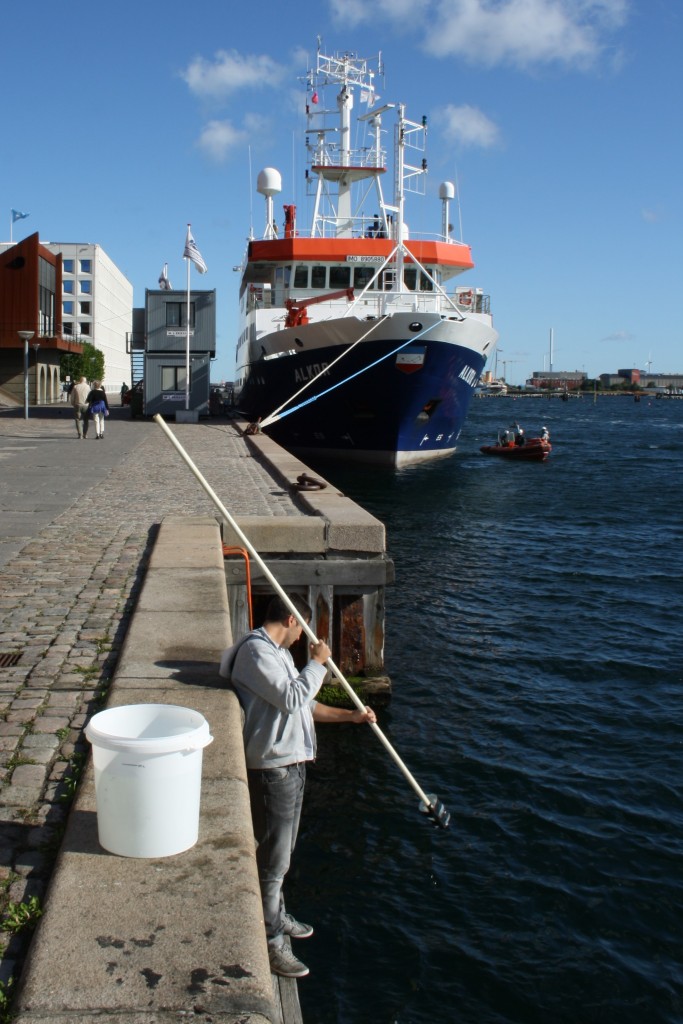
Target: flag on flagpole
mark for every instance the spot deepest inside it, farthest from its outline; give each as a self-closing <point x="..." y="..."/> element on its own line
<point x="18" y="215"/>
<point x="164" y="282"/>
<point x="192" y="253"/>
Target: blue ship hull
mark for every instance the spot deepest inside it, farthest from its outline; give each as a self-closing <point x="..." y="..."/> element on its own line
<point x="407" y="408"/>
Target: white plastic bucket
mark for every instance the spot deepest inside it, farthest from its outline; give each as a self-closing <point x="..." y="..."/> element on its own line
<point x="148" y="775"/>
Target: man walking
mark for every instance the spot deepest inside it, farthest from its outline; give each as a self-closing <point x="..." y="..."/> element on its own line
<point x="79" y="401"/>
<point x="279" y="738"/>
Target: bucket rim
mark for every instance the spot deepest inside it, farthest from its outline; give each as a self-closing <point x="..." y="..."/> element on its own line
<point x="193" y="738"/>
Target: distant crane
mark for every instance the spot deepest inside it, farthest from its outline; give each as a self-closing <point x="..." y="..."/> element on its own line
<point x="505" y="363"/>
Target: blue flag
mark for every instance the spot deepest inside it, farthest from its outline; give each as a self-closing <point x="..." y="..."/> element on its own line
<point x="18" y="215"/>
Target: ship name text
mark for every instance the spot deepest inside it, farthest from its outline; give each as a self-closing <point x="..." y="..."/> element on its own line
<point x="305" y="373"/>
<point x="469" y="375"/>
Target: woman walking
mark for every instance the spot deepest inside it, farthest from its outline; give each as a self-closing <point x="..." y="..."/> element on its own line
<point x="99" y="407"/>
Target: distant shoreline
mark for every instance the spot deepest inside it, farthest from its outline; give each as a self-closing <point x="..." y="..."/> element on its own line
<point x="582" y="394"/>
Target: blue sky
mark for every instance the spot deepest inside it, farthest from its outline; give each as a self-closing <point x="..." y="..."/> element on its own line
<point x="560" y="118"/>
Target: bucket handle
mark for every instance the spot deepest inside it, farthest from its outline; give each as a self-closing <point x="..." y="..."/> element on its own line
<point x="190" y="749"/>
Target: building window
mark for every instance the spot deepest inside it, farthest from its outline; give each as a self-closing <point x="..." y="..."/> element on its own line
<point x="86" y="266"/>
<point x="68" y="307"/>
<point x="68" y="266"/>
<point x="67" y="328"/>
<point x="85" y="328"/>
<point x="173" y="378"/>
<point x="68" y="287"/>
<point x="47" y="300"/>
<point x="86" y="287"/>
<point x="176" y="314"/>
<point x="85" y="308"/>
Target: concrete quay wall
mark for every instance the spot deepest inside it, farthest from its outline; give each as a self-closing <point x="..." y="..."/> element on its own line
<point x="148" y="939"/>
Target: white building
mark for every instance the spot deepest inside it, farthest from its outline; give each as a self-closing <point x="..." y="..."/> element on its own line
<point x="97" y="305"/>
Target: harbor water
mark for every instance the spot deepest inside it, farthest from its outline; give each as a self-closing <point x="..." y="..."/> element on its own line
<point x="534" y="644"/>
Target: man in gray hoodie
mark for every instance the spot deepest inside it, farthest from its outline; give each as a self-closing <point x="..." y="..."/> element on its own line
<point x="280" y="709"/>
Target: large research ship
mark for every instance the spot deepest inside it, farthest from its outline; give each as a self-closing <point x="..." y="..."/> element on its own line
<point x="350" y="344"/>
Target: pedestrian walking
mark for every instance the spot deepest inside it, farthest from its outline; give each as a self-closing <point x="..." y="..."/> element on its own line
<point x="79" y="400"/>
<point x="99" y="407"/>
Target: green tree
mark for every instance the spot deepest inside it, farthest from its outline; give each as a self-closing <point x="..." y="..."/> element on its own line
<point x="88" y="364"/>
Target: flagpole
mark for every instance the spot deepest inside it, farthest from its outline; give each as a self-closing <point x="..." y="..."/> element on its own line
<point x="192" y="254"/>
<point x="187" y="341"/>
<point x="11" y="224"/>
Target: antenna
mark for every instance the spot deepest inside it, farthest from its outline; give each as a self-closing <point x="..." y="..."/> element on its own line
<point x="251" y="201"/>
<point x="457" y="196"/>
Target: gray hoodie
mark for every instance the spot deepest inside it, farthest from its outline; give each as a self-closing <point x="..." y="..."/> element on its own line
<point x="277" y="700"/>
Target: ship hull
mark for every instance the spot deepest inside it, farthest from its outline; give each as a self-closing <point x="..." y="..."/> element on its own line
<point x="389" y="401"/>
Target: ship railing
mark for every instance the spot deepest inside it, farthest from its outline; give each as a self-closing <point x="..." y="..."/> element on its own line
<point x="378" y="303"/>
<point x="330" y="155"/>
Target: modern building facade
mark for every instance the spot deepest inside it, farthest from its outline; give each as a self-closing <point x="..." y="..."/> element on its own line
<point x="97" y="305"/>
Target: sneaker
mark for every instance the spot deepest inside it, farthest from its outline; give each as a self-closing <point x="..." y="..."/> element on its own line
<point x="284" y="963"/>
<point x="297" y="929"/>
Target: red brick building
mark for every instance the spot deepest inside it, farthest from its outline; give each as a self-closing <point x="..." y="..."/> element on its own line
<point x="30" y="300"/>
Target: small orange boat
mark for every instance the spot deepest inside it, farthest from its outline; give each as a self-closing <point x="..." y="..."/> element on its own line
<point x="512" y="444"/>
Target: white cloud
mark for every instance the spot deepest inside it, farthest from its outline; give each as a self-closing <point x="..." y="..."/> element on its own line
<point x="228" y="72"/>
<point x="467" y="126"/>
<point x="620" y="336"/>
<point x="349" y="13"/>
<point x="522" y="33"/>
<point x="219" y="138"/>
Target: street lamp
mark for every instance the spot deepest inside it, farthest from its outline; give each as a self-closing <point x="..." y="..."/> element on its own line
<point x="35" y="346"/>
<point x="26" y="337"/>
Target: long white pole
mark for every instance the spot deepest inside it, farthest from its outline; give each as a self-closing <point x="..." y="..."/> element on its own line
<point x="431" y="804"/>
<point x="550" y="364"/>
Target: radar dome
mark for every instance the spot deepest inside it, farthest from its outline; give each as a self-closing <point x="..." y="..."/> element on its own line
<point x="446" y="190"/>
<point x="269" y="182"/>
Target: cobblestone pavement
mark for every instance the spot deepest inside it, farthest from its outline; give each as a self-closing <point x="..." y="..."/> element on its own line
<point x="76" y="529"/>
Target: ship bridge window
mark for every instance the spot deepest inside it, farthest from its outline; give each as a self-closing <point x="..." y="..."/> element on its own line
<point x="318" y="277"/>
<point x="425" y="284"/>
<point x="361" y="276"/>
<point x="340" y="277"/>
<point x="301" y="277"/>
<point x="410" y="278"/>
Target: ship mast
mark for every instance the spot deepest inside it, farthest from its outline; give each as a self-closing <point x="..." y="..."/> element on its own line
<point x="333" y="159"/>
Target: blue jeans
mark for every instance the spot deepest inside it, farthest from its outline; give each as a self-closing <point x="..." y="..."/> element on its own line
<point x="276" y="796"/>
